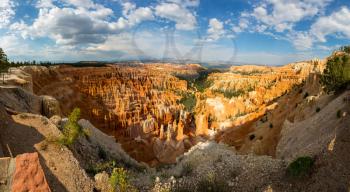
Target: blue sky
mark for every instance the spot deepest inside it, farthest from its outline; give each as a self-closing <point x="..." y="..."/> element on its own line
<point x="271" y="32"/>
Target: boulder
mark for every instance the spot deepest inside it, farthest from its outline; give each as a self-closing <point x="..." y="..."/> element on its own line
<point x="50" y="106"/>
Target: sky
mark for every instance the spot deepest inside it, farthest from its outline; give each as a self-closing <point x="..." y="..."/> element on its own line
<point x="266" y="32"/>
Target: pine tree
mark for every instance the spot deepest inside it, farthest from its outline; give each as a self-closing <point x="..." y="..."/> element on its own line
<point x="336" y="76"/>
<point x="3" y="60"/>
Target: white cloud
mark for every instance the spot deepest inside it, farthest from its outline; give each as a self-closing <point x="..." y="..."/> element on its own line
<point x="282" y="15"/>
<point x="336" y="23"/>
<point x="301" y="40"/>
<point x="186" y="3"/>
<point x="215" y="30"/>
<point x="6" y="12"/>
<point x="44" y="4"/>
<point x="77" y="26"/>
<point x="242" y="25"/>
<point x="81" y="3"/>
<point x="184" y="19"/>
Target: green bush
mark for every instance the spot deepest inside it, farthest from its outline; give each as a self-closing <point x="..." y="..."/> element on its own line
<point x="72" y="130"/>
<point x="336" y="76"/>
<point x="302" y="166"/>
<point x="119" y="179"/>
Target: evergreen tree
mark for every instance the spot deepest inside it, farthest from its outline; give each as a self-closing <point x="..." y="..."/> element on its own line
<point x="336" y="76"/>
<point x="3" y="60"/>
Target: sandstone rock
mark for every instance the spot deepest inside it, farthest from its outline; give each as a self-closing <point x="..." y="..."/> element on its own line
<point x="50" y="106"/>
<point x="29" y="175"/>
<point x="20" y="100"/>
<point x="56" y="120"/>
<point x="102" y="182"/>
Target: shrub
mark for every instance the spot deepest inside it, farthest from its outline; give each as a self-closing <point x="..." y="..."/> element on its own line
<point x="72" y="130"/>
<point x="252" y="137"/>
<point x="318" y="109"/>
<point x="302" y="166"/>
<point x="271" y="125"/>
<point x="119" y="179"/>
<point x="306" y="95"/>
<point x="336" y="76"/>
<point x="187" y="169"/>
<point x="339" y="114"/>
<point x="345" y="49"/>
<point x="102" y="153"/>
<point x="212" y="183"/>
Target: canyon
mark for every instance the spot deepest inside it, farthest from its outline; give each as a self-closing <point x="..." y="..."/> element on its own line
<point x="140" y="104"/>
<point x="174" y="123"/>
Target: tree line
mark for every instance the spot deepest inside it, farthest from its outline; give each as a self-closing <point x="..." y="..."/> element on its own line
<point x="5" y="64"/>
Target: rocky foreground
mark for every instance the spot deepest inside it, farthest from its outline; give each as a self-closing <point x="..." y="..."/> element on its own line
<point x="222" y="143"/>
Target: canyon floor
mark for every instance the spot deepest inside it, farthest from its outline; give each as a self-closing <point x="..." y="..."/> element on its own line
<point x="173" y="127"/>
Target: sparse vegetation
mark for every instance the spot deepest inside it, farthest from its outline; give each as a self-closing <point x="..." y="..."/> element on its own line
<point x="336" y="76"/>
<point x="300" y="167"/>
<point x="231" y="93"/>
<point x="318" y="109"/>
<point x="339" y="114"/>
<point x="189" y="101"/>
<point x="345" y="49"/>
<point x="211" y="183"/>
<point x="248" y="73"/>
<point x="187" y="169"/>
<point x="119" y="180"/>
<point x="72" y="130"/>
<point x="102" y="154"/>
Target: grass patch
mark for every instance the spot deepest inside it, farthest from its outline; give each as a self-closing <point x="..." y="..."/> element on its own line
<point x="300" y="167"/>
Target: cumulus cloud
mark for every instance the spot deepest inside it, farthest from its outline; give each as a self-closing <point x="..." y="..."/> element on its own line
<point x="336" y="23"/>
<point x="44" y="4"/>
<point x="278" y="18"/>
<point x="242" y="25"/>
<point x="281" y="15"/>
<point x="6" y="12"/>
<point x="183" y="17"/>
<point x="301" y="40"/>
<point x="215" y="30"/>
<point x="84" y="25"/>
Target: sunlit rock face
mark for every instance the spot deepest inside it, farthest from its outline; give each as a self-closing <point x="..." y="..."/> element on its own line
<point x="140" y="104"/>
<point x="135" y="103"/>
<point x="246" y="106"/>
